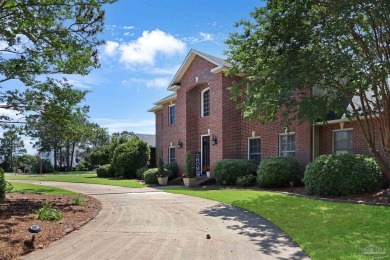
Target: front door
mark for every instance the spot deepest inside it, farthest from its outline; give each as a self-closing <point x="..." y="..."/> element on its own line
<point x="205" y="151"/>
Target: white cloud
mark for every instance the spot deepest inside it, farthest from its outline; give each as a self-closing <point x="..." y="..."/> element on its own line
<point x="14" y="115"/>
<point x="202" y="37"/>
<point x="149" y="83"/>
<point x="144" y="50"/>
<point x="119" y="125"/>
<point x="110" y="48"/>
<point x="128" y="27"/>
<point x="206" y="36"/>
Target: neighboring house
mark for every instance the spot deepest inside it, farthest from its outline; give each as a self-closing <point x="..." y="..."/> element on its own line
<point x="151" y="140"/>
<point x="199" y="116"/>
<point x="76" y="160"/>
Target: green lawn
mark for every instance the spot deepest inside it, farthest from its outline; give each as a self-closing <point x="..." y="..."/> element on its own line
<point x="27" y="187"/>
<point x="324" y="230"/>
<point x="83" y="178"/>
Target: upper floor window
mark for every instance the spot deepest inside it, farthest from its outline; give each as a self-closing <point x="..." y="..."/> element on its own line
<point x="206" y="102"/>
<point x="172" y="114"/>
<point x="171" y="154"/>
<point x="342" y="141"/>
<point x="287" y="145"/>
<point x="254" y="149"/>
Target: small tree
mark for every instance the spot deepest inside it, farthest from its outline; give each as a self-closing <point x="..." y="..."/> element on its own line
<point x="130" y="156"/>
<point x="188" y="171"/>
<point x="161" y="171"/>
<point x="100" y="155"/>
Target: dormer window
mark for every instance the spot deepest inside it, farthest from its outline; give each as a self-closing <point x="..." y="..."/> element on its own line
<point x="205" y="102"/>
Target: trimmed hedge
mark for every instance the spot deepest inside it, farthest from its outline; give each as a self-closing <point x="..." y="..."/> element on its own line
<point x="150" y="176"/>
<point x="227" y="171"/>
<point x="173" y="170"/>
<point x="278" y="172"/>
<point x="342" y="174"/>
<point x="130" y="156"/>
<point x="105" y="171"/>
<point x="140" y="173"/>
<point x="246" y="181"/>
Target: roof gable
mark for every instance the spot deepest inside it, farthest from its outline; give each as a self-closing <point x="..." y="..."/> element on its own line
<point x="219" y="63"/>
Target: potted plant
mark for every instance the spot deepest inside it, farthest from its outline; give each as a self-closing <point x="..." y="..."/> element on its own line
<point x="207" y="170"/>
<point x="162" y="174"/>
<point x="189" y="177"/>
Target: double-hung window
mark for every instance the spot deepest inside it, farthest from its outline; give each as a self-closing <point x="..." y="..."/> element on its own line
<point x="205" y="102"/>
<point x="342" y="141"/>
<point x="254" y="149"/>
<point x="287" y="145"/>
<point x="171" y="154"/>
<point x="172" y="114"/>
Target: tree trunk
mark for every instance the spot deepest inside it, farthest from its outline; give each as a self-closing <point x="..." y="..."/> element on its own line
<point x="55" y="154"/>
<point x="67" y="156"/>
<point x="72" y="154"/>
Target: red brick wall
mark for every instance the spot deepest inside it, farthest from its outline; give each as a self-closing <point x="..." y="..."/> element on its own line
<point x="359" y="144"/>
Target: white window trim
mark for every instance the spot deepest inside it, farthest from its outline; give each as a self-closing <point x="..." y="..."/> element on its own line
<point x="201" y="97"/>
<point x="280" y="147"/>
<point x="254" y="137"/>
<point x="169" y="114"/>
<point x="169" y="153"/>
<point x="339" y="130"/>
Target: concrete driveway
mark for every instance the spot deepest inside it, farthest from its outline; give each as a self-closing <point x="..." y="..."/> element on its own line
<point x="147" y="223"/>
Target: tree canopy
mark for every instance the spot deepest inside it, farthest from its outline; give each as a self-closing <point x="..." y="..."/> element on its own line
<point x="333" y="55"/>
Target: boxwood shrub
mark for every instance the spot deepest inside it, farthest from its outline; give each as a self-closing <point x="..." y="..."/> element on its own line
<point x="150" y="176"/>
<point x="105" y="171"/>
<point x="5" y="186"/>
<point x="227" y="171"/>
<point x="342" y="174"/>
<point x="278" y="172"/>
<point x="140" y="173"/>
<point x="173" y="170"/>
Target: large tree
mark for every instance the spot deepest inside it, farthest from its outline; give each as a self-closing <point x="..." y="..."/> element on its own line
<point x="334" y="54"/>
<point x="44" y="37"/>
<point x="11" y="144"/>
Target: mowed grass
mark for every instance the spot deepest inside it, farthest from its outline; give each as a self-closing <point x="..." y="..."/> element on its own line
<point x="79" y="178"/>
<point x="42" y="189"/>
<point x="324" y="230"/>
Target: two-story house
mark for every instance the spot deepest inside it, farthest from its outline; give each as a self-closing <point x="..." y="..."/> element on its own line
<point x="199" y="116"/>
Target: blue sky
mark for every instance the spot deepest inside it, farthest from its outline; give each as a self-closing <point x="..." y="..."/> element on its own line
<point x="146" y="42"/>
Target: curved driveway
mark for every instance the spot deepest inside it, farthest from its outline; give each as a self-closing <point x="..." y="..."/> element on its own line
<point x="147" y="223"/>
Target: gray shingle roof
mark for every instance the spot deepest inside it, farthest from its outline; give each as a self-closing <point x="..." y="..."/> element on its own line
<point x="215" y="59"/>
<point x="150" y="139"/>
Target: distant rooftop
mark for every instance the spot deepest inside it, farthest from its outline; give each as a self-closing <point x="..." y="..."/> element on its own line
<point x="150" y="139"/>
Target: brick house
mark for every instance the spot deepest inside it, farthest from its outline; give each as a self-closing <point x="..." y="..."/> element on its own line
<point x="199" y="116"/>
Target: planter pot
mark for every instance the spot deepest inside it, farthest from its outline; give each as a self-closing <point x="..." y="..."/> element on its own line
<point x="163" y="181"/>
<point x="208" y="174"/>
<point x="189" y="182"/>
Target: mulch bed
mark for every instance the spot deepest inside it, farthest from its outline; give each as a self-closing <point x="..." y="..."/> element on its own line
<point x="19" y="212"/>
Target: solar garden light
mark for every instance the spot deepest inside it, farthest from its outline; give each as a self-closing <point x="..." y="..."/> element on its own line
<point x="34" y="230"/>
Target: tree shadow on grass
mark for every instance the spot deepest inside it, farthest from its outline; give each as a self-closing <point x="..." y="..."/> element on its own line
<point x="269" y="238"/>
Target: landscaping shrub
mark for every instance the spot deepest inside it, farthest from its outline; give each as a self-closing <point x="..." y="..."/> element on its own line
<point x="278" y="172"/>
<point x="105" y="171"/>
<point x="173" y="170"/>
<point x="48" y="213"/>
<point x="342" y="174"/>
<point x="100" y="155"/>
<point x="5" y="186"/>
<point x="47" y="167"/>
<point x="246" y="181"/>
<point x="189" y="171"/>
<point x="130" y="156"/>
<point x="227" y="171"/>
<point x="150" y="176"/>
<point x="140" y="173"/>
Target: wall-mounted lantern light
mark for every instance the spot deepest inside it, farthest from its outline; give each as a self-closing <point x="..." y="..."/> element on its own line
<point x="179" y="144"/>
<point x="214" y="140"/>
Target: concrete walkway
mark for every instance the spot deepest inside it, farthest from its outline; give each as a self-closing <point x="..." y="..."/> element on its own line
<point x="147" y="223"/>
